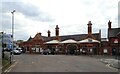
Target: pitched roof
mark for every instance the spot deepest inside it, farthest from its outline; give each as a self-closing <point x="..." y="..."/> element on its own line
<point x="76" y="37"/>
<point x="29" y="38"/>
<point x="104" y="39"/>
<point x="118" y="34"/>
<point x="113" y="32"/>
<point x="79" y="37"/>
<point x="38" y="37"/>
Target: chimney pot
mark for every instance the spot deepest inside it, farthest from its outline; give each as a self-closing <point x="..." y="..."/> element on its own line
<point x="109" y="24"/>
<point x="57" y="30"/>
<point x="89" y="22"/>
<point x="49" y="33"/>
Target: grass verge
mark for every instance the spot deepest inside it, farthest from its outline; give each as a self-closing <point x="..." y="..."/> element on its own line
<point x="5" y="63"/>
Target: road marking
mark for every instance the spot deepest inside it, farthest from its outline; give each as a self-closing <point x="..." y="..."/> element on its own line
<point x="33" y="62"/>
<point x="10" y="68"/>
<point x="108" y="65"/>
<point x="1" y="68"/>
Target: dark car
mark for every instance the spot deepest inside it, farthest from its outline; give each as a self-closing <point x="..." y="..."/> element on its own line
<point x="45" y="52"/>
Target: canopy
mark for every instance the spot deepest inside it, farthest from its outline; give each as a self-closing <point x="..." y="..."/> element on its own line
<point x="89" y="40"/>
<point x="69" y="41"/>
<point x="52" y="42"/>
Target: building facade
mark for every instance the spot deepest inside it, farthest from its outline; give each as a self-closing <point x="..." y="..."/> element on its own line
<point x="111" y="46"/>
<point x="89" y="44"/>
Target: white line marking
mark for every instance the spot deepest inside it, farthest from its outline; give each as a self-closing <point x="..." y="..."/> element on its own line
<point x="10" y="68"/>
<point x="32" y="62"/>
<point x="108" y="65"/>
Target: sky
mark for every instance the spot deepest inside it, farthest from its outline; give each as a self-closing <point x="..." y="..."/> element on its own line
<point x="72" y="16"/>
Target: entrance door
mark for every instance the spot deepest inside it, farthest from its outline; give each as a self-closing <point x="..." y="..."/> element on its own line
<point x="95" y="51"/>
<point x="114" y="51"/>
<point x="71" y="48"/>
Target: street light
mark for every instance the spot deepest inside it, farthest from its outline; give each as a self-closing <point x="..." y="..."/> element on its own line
<point x="11" y="53"/>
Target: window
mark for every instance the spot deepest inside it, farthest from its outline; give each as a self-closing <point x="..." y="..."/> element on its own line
<point x="90" y="50"/>
<point x="105" y="51"/>
<point x="116" y="41"/>
<point x="33" y="49"/>
<point x="37" y="49"/>
<point x="89" y="40"/>
<point x="80" y="50"/>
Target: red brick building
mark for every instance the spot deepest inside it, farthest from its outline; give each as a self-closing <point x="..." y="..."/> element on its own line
<point x="74" y="44"/>
<point x="84" y="42"/>
<point x="113" y="39"/>
<point x="104" y="46"/>
<point x="111" y="46"/>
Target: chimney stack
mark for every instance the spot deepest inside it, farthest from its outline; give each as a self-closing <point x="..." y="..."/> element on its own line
<point x="39" y="33"/>
<point x="57" y="30"/>
<point x="109" y="24"/>
<point x="89" y="27"/>
<point x="48" y="33"/>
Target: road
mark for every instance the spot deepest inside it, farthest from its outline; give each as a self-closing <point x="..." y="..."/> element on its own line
<point x="58" y="63"/>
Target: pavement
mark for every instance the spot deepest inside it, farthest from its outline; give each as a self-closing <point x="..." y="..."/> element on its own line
<point x="112" y="61"/>
<point x="115" y="63"/>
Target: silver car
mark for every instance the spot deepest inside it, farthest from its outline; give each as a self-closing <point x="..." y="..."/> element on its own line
<point x="16" y="52"/>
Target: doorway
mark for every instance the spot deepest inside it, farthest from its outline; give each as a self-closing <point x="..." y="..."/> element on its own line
<point x="72" y="48"/>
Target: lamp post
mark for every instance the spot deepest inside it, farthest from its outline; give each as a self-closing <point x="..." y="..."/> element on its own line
<point x="11" y="52"/>
<point x="118" y="35"/>
<point x="2" y="45"/>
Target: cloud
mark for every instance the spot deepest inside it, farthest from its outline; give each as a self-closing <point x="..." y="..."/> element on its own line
<point x="25" y="17"/>
<point x="21" y="34"/>
<point x="28" y="10"/>
<point x="6" y="22"/>
<point x="72" y="16"/>
<point x="20" y="7"/>
<point x="119" y="14"/>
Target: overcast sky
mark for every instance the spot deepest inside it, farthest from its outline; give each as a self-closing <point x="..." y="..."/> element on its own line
<point x="71" y="16"/>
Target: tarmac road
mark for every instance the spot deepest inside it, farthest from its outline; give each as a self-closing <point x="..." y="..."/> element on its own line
<point x="58" y="63"/>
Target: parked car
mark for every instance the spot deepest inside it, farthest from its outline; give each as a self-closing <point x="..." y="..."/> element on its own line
<point x="45" y="52"/>
<point x="16" y="52"/>
<point x="20" y="49"/>
<point x="84" y="52"/>
<point x="6" y="49"/>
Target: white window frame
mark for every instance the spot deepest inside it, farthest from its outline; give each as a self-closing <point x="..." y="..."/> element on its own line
<point x="105" y="50"/>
